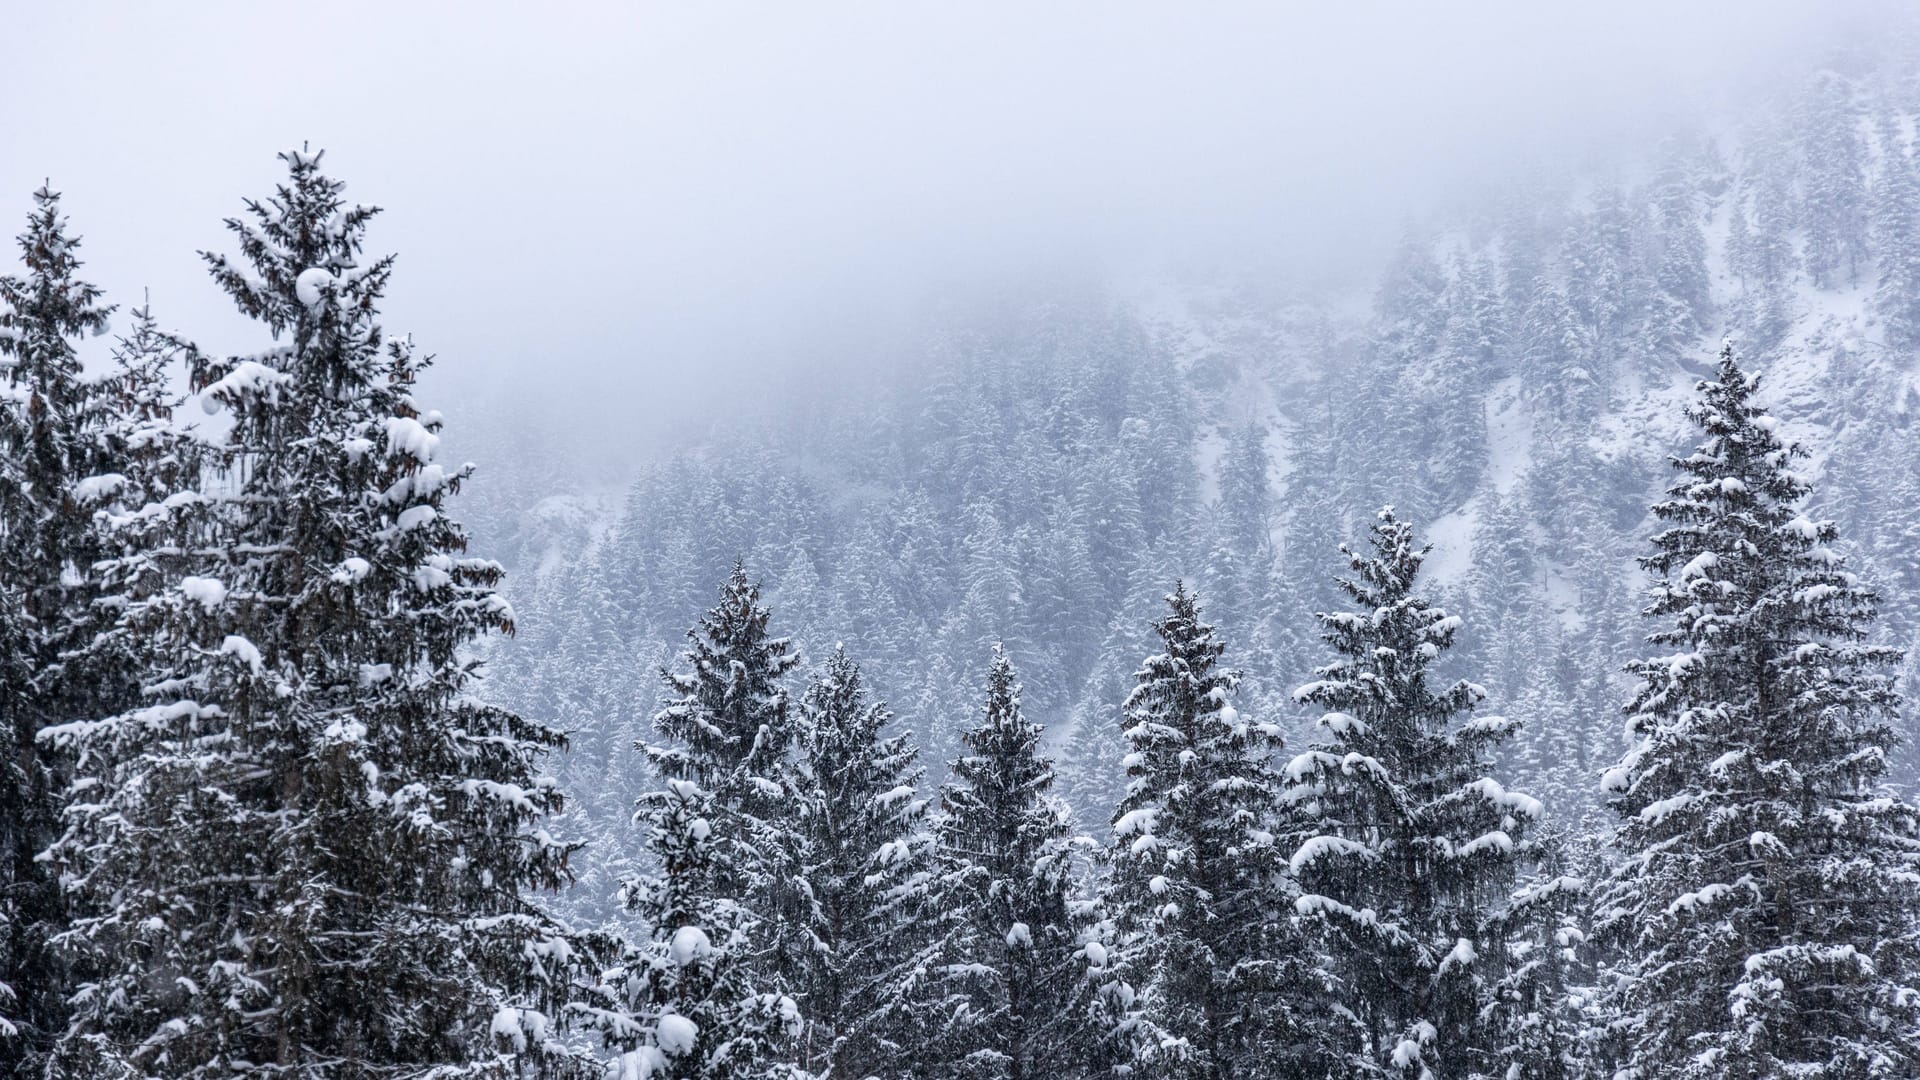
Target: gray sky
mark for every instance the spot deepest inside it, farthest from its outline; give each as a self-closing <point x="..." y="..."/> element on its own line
<point x="624" y="203"/>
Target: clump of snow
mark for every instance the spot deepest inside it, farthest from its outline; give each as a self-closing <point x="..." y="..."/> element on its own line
<point x="408" y="436"/>
<point x="208" y="592"/>
<point x="506" y="1027"/>
<point x="1463" y="954"/>
<point x="247" y="377"/>
<point x="1317" y="846"/>
<point x="95" y="488"/>
<point x="247" y="651"/>
<point x="1344" y="724"/>
<point x="1408" y="1050"/>
<point x="352" y="570"/>
<point x="312" y="285"/>
<point x="676" y="1034"/>
<point x="415" y="516"/>
<point x="1141" y="820"/>
<point x="689" y="943"/>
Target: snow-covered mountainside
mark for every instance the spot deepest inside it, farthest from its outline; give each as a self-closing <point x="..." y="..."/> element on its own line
<point x="1046" y="470"/>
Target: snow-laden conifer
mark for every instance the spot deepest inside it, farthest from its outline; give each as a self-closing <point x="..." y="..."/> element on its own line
<point x="867" y="984"/>
<point x="310" y="850"/>
<point x="684" y="1003"/>
<point x="1199" y="894"/>
<point x="729" y="726"/>
<point x="1764" y="909"/>
<point x="1414" y="845"/>
<point x="732" y="863"/>
<point x="47" y="448"/>
<point x="1006" y="876"/>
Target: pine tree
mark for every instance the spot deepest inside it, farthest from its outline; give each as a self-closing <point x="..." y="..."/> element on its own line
<point x="1541" y="1016"/>
<point x="1414" y="845"/>
<point x="730" y="728"/>
<point x="867" y="982"/>
<point x="729" y="714"/>
<point x="310" y="852"/>
<point x="686" y="1005"/>
<point x="1833" y="182"/>
<point x="1896" y="238"/>
<point x="1198" y="889"/>
<point x="1602" y="284"/>
<point x="1764" y="910"/>
<point x="151" y="456"/>
<point x="47" y="450"/>
<point x="1505" y="587"/>
<point x="1773" y="262"/>
<point x="1679" y="245"/>
<point x="1241" y="561"/>
<point x="1246" y="499"/>
<point x="1006" y="874"/>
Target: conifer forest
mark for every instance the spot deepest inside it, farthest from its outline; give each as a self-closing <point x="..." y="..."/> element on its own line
<point x="1482" y="644"/>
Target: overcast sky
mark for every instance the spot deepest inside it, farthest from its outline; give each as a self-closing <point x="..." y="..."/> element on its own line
<point x="623" y="201"/>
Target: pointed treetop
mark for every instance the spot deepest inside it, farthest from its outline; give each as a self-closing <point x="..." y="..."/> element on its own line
<point x="1003" y="729"/>
<point x="302" y="247"/>
<point x="50" y="305"/>
<point x="1390" y="571"/>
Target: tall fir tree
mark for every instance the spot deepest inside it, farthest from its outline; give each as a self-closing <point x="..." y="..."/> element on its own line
<point x="1240" y="562"/>
<point x="1414" y="846"/>
<point x="1198" y="890"/>
<point x="1763" y="911"/>
<point x="311" y="853"/>
<point x="685" y="1003"/>
<point x="866" y="987"/>
<point x="1895" y="221"/>
<point x="1833" y="187"/>
<point x="48" y="449"/>
<point x="728" y="717"/>
<point x="151" y="455"/>
<point x="1541" y="1016"/>
<point x="1006" y="873"/>
<point x="729" y="726"/>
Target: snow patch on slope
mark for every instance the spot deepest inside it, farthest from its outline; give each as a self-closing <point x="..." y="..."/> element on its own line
<point x="1451" y="559"/>
<point x="1509" y="434"/>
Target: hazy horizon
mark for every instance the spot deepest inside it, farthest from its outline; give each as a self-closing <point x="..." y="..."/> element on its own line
<point x="631" y="209"/>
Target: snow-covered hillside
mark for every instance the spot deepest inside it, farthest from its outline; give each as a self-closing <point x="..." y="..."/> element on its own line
<point x="1514" y="388"/>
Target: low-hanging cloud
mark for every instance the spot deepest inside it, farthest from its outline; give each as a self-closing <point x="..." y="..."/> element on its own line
<point x="622" y="204"/>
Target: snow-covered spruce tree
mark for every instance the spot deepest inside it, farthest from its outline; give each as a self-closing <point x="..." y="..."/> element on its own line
<point x="728" y="726"/>
<point x="1240" y="559"/>
<point x="1896" y="237"/>
<point x="310" y="852"/>
<point x="728" y="715"/>
<point x="1541" y="1016"/>
<point x="866" y="986"/>
<point x="686" y="1004"/>
<point x="1413" y="846"/>
<point x="1006" y="877"/>
<point x="1199" y="893"/>
<point x="149" y="457"/>
<point x="1763" y="913"/>
<point x="1832" y="181"/>
<point x="46" y="450"/>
